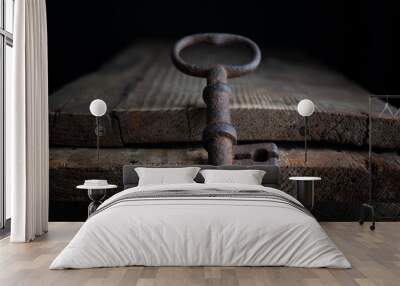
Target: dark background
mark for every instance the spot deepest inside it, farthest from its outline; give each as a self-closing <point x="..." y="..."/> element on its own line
<point x="353" y="37"/>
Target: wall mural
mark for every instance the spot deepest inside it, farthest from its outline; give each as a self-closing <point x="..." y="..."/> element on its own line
<point x="156" y="115"/>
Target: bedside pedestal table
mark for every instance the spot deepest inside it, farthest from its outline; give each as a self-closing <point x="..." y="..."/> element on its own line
<point x="305" y="190"/>
<point x="96" y="194"/>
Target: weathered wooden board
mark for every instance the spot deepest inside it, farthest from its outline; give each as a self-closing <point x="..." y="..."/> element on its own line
<point x="152" y="102"/>
<point x="345" y="175"/>
<point x="71" y="123"/>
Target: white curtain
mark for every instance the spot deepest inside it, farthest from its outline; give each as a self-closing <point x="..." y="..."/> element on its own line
<point x="27" y="124"/>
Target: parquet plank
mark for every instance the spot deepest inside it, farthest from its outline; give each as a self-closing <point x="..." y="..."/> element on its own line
<point x="375" y="257"/>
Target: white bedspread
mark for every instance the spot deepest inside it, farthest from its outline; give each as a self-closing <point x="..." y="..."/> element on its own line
<point x="200" y="231"/>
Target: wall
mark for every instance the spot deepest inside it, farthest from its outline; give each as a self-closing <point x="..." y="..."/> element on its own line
<point x="353" y="37"/>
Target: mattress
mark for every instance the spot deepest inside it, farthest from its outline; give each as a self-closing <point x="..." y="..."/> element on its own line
<point x="201" y="225"/>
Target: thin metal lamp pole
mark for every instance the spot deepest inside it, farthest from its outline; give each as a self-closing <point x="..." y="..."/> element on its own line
<point x="98" y="138"/>
<point x="305" y="139"/>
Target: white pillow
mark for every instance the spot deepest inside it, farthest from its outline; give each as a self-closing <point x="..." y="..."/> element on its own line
<point x="248" y="177"/>
<point x="165" y="176"/>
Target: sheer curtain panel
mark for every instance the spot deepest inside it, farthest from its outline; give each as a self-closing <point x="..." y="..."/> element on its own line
<point x="27" y="124"/>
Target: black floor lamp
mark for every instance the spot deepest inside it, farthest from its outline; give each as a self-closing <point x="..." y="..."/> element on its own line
<point x="305" y="108"/>
<point x="98" y="108"/>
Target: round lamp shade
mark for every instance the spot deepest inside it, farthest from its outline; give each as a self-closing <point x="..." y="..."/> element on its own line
<point x="305" y="107"/>
<point x="98" y="107"/>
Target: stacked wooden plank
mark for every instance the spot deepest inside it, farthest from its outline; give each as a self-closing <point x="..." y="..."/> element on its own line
<point x="151" y="104"/>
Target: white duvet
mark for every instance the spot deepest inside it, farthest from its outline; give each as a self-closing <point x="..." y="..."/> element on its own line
<point x="193" y="231"/>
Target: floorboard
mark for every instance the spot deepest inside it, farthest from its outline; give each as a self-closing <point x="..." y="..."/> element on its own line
<point x="375" y="257"/>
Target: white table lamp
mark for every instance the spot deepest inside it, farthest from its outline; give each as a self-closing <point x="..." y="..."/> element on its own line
<point x="98" y="108"/>
<point x="305" y="108"/>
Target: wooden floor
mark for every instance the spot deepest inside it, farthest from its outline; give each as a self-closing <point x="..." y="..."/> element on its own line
<point x="375" y="257"/>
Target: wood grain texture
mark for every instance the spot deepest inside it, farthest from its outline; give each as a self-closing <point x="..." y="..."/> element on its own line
<point x="375" y="257"/>
<point x="150" y="101"/>
<point x="344" y="173"/>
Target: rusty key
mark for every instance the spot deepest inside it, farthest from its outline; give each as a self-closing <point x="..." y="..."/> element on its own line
<point x="219" y="136"/>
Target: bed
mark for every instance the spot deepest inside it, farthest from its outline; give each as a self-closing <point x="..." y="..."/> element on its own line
<point x="201" y="224"/>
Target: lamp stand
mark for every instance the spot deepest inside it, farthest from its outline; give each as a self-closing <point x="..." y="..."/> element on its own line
<point x="100" y="131"/>
<point x="305" y="140"/>
<point x="98" y="138"/>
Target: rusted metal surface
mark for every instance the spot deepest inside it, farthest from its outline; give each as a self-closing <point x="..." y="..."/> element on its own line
<point x="218" y="40"/>
<point x="219" y="135"/>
